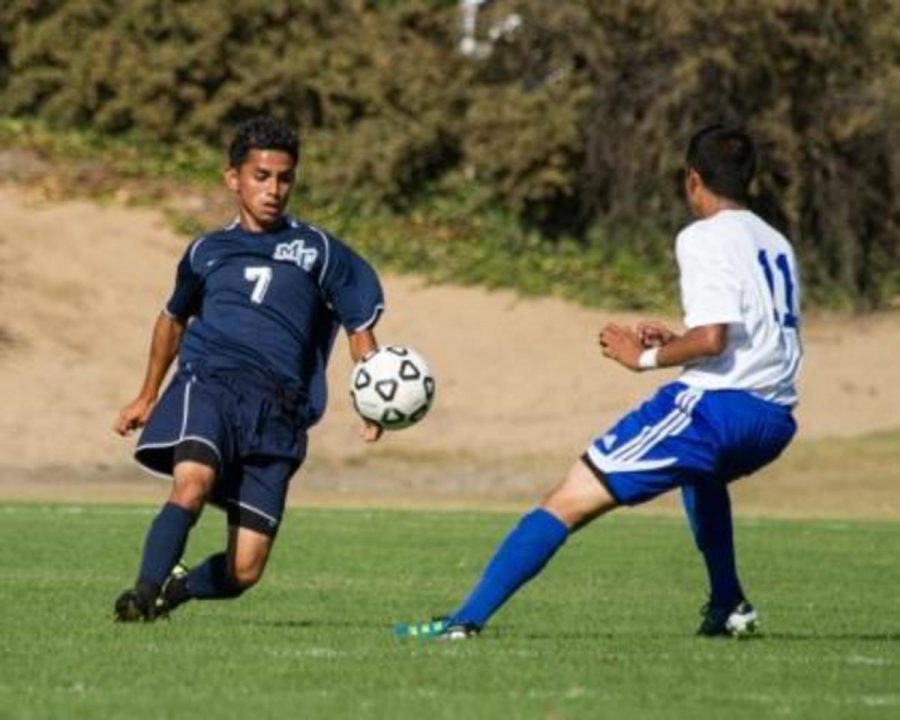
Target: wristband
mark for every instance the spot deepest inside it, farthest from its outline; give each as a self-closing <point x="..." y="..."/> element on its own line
<point x="648" y="359"/>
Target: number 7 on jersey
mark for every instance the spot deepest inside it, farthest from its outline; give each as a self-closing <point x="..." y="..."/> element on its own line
<point x="260" y="277"/>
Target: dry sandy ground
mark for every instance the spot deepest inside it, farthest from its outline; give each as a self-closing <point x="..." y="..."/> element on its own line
<point x="521" y="385"/>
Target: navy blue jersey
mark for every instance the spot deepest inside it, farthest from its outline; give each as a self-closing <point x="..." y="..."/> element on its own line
<point x="272" y="302"/>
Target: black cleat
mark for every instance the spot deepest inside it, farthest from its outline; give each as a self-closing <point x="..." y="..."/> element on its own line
<point x="738" y="621"/>
<point x="129" y="607"/>
<point x="137" y="604"/>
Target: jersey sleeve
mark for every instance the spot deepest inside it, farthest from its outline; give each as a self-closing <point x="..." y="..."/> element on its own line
<point x="710" y="288"/>
<point x="351" y="288"/>
<point x="187" y="295"/>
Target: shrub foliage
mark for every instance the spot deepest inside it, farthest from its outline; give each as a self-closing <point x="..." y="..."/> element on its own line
<point x="571" y="118"/>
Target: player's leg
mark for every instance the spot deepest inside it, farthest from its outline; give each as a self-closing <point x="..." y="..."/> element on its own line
<point x="753" y="433"/>
<point x="577" y="500"/>
<point x="248" y="554"/>
<point x="194" y="475"/>
<point x="227" y="574"/>
<point x="168" y="533"/>
<point x="631" y="464"/>
<point x="708" y="507"/>
<point x="188" y="439"/>
<point x="255" y="506"/>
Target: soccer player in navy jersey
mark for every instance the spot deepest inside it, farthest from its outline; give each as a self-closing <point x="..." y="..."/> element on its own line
<point x="252" y="319"/>
<point x="729" y="413"/>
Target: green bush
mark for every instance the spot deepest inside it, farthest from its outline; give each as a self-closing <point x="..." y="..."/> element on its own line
<point x="573" y="124"/>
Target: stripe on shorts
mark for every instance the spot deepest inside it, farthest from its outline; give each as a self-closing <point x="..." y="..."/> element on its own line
<point x="628" y="457"/>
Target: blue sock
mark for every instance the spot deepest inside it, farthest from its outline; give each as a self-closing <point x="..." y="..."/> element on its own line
<point x="519" y="558"/>
<point x="165" y="543"/>
<point x="210" y="580"/>
<point x="708" y="508"/>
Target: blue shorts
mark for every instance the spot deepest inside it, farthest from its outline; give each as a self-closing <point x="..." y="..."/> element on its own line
<point x="687" y="435"/>
<point x="252" y="431"/>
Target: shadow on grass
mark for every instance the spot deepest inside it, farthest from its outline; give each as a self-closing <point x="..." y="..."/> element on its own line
<point x="311" y="623"/>
<point x="511" y="632"/>
<point x="832" y="637"/>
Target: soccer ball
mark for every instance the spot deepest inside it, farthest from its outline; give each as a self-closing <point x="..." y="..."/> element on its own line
<point x="392" y="387"/>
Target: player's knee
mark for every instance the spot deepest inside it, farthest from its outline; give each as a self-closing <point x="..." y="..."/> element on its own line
<point x="192" y="485"/>
<point x="246" y="573"/>
<point x="579" y="498"/>
<point x="570" y="511"/>
<point x="191" y="496"/>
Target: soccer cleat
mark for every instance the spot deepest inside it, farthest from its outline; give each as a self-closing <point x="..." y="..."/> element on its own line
<point x="127" y="608"/>
<point x="174" y="591"/>
<point x="438" y="629"/>
<point x="459" y="631"/>
<point x="430" y="629"/>
<point x="132" y="606"/>
<point x="738" y="621"/>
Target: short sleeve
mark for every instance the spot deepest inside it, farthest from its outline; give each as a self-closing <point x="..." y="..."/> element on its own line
<point x="351" y="288"/>
<point x="187" y="296"/>
<point x="710" y="288"/>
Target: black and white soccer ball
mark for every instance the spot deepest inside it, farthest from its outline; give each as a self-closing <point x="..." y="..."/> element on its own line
<point x="392" y="387"/>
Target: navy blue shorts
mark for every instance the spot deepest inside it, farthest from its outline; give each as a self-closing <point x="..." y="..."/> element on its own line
<point x="252" y="432"/>
<point x="688" y="435"/>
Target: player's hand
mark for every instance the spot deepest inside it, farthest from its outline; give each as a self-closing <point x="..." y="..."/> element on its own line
<point x="133" y="416"/>
<point x="370" y="432"/>
<point x="621" y="344"/>
<point x="653" y="333"/>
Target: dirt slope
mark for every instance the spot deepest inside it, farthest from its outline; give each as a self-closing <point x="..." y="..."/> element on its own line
<point x="520" y="381"/>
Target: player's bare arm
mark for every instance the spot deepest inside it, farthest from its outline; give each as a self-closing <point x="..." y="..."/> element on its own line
<point x="626" y="346"/>
<point x="167" y="333"/>
<point x="362" y="343"/>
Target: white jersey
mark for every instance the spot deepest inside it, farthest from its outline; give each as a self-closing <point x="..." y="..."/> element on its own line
<point x="737" y="270"/>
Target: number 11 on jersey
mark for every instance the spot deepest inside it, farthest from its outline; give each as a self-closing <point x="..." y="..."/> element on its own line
<point x="787" y="316"/>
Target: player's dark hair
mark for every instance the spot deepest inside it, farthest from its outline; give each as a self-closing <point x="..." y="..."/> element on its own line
<point x="262" y="133"/>
<point x="725" y="158"/>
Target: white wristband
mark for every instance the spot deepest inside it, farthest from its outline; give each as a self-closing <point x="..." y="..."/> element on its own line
<point x="648" y="360"/>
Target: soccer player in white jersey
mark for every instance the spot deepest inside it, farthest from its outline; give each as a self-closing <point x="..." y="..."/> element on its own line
<point x="727" y="415"/>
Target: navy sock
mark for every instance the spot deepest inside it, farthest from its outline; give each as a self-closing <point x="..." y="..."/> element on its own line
<point x="211" y="580"/>
<point x="164" y="545"/>
<point x="519" y="558"/>
<point x="708" y="509"/>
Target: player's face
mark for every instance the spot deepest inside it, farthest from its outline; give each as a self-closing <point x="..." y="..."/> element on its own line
<point x="262" y="186"/>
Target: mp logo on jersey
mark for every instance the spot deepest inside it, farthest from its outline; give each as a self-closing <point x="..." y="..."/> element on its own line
<point x="297" y="253"/>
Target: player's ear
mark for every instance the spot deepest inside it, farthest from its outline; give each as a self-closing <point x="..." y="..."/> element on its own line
<point x="231" y="178"/>
<point x="693" y="185"/>
<point x="692" y="180"/>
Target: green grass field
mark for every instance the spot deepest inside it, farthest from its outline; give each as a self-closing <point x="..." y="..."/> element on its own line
<point x="606" y="631"/>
